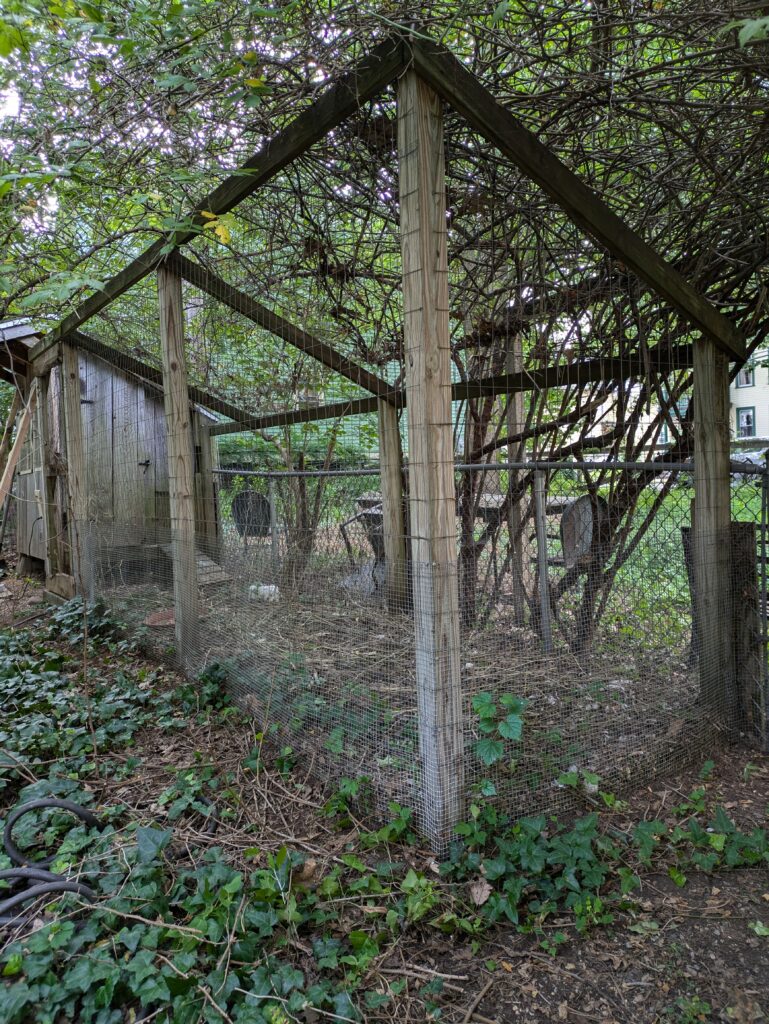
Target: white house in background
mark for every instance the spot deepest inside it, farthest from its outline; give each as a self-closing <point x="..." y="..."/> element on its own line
<point x="749" y="402"/>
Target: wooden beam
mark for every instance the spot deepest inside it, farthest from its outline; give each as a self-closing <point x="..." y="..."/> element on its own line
<point x="6" y="480"/>
<point x="76" y="470"/>
<point x="585" y="372"/>
<point x="712" y="533"/>
<point x="431" y="458"/>
<point x="364" y="81"/>
<point x="333" y="411"/>
<point x="279" y="326"/>
<point x="137" y="368"/>
<point x="181" y="471"/>
<point x="450" y="79"/>
<point x="391" y="483"/>
<point x="53" y="559"/>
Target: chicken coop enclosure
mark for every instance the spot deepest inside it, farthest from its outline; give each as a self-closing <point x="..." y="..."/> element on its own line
<point x="423" y="447"/>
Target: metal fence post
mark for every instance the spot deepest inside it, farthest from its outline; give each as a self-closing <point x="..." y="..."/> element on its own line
<point x="540" y="512"/>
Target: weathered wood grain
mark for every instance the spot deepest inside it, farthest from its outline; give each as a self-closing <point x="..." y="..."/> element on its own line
<point x="712" y="531"/>
<point x="431" y="458"/>
<point x="181" y="471"/>
<point x="391" y="477"/>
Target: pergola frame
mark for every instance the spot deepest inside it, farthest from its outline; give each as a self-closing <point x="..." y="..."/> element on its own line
<point x="427" y="75"/>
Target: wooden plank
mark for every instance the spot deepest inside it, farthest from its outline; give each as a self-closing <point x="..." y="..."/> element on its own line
<point x="391" y="477"/>
<point x="45" y="362"/>
<point x="147" y="464"/>
<point x="126" y="470"/>
<point x="711" y="532"/>
<point x="567" y="375"/>
<point x="516" y="423"/>
<point x="48" y="496"/>
<point x="279" y="326"/>
<point x="76" y="471"/>
<point x="62" y="585"/>
<point x="431" y="458"/>
<point x="747" y="631"/>
<point x="100" y="490"/>
<point x="587" y="371"/>
<point x="206" y="514"/>
<point x="450" y="79"/>
<point x="365" y="80"/>
<point x="336" y="410"/>
<point x="21" y="433"/>
<point x="181" y="470"/>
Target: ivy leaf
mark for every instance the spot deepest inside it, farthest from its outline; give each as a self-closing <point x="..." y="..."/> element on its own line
<point x="150" y="841"/>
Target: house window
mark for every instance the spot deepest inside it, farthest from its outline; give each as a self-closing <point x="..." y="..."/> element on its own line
<point x="746" y="422"/>
<point x="746" y="378"/>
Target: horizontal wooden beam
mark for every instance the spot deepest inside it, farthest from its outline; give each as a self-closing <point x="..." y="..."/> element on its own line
<point x="364" y="81"/>
<point x="462" y="90"/>
<point x="587" y="371"/>
<point x="574" y="374"/>
<point x="143" y="371"/>
<point x="336" y="410"/>
<point x="300" y="339"/>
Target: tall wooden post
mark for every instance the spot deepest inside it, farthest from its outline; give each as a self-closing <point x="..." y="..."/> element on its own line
<point x="52" y="554"/>
<point x="431" y="462"/>
<point x="76" y="474"/>
<point x="391" y="470"/>
<point x="712" y="529"/>
<point x="516" y="422"/>
<point x="181" y="469"/>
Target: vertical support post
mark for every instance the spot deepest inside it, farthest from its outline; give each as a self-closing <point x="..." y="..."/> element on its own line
<point x="431" y="460"/>
<point x="540" y="513"/>
<point x="274" y="536"/>
<point x="207" y="515"/>
<point x="711" y="531"/>
<point x="76" y="478"/>
<point x="181" y="470"/>
<point x="515" y="424"/>
<point x="52" y="560"/>
<point x="391" y="475"/>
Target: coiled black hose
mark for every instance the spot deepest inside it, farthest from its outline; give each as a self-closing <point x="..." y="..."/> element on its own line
<point x="39" y="881"/>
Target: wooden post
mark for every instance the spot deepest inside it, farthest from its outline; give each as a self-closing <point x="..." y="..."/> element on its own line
<point x="516" y="422"/>
<point x="52" y="559"/>
<point x="431" y="462"/>
<point x="711" y="531"/>
<point x="206" y="515"/>
<point x="274" y="532"/>
<point x="391" y="469"/>
<point x="181" y="470"/>
<point x="540" y="511"/>
<point x="76" y="473"/>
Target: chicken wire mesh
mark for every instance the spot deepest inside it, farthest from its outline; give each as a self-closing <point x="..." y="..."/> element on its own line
<point x="578" y="655"/>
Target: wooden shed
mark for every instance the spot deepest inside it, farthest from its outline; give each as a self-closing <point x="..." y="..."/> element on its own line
<point x="125" y="522"/>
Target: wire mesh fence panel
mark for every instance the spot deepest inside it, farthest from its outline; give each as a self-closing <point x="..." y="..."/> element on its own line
<point x="579" y="656"/>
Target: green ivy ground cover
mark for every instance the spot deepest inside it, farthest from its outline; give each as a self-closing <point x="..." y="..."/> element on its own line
<point x="233" y="931"/>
